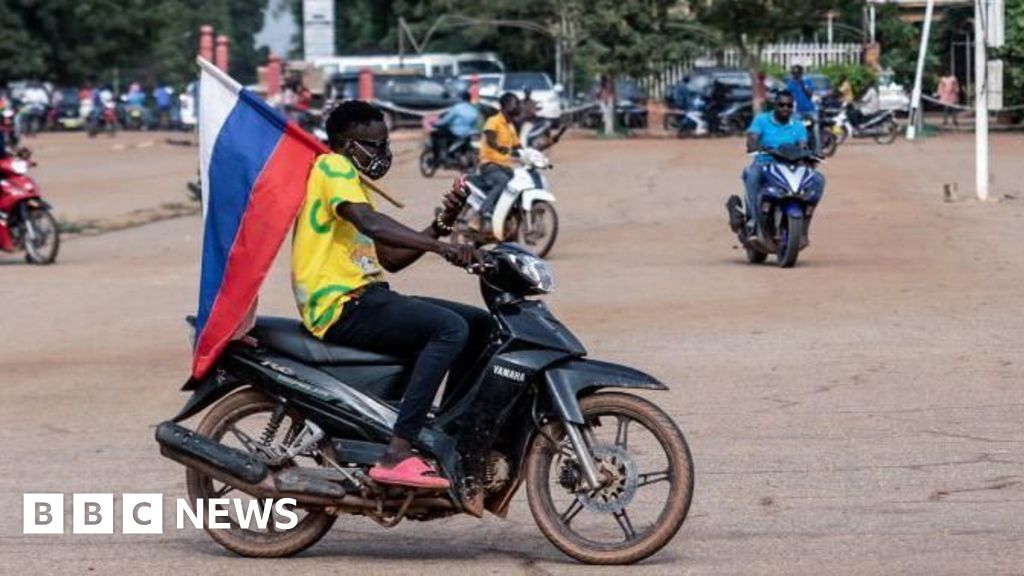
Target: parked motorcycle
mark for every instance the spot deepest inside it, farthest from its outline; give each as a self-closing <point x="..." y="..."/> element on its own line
<point x="460" y="154"/>
<point x="733" y="120"/>
<point x="609" y="476"/>
<point x="524" y="212"/>
<point x="825" y="135"/>
<point x="541" y="134"/>
<point x="849" y="122"/>
<point x="9" y="127"/>
<point x="25" y="219"/>
<point x="788" y="198"/>
<point x="104" y="120"/>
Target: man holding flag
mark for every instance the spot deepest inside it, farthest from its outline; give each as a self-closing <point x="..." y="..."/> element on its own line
<point x="340" y="247"/>
<point x="258" y="173"/>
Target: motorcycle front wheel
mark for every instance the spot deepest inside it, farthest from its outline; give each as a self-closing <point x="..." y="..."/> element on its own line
<point x="427" y="165"/>
<point x="42" y="245"/>
<point x="647" y="482"/>
<point x="538" y="229"/>
<point x="239" y="421"/>
<point x="791" y="232"/>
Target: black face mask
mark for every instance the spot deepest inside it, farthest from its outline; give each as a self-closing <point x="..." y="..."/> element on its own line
<point x="377" y="166"/>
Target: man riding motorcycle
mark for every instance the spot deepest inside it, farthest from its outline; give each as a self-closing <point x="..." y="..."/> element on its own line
<point x="770" y="130"/>
<point x="457" y="123"/>
<point x="497" y="151"/>
<point x="340" y="249"/>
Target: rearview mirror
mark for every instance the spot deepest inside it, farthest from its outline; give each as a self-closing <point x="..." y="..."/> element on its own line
<point x="559" y="88"/>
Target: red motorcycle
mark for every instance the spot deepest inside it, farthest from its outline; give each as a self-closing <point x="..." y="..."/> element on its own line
<point x="25" y="219"/>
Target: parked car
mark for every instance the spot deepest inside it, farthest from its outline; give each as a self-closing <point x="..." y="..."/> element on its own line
<point x="490" y="84"/>
<point x="547" y="94"/>
<point x="402" y="96"/>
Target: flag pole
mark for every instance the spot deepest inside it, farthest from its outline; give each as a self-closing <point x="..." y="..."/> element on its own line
<point x="380" y="191"/>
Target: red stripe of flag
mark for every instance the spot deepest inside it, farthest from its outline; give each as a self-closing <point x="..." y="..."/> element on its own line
<point x="276" y="199"/>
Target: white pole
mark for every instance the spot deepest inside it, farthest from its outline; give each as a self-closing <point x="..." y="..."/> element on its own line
<point x="980" y="103"/>
<point x="830" y="30"/>
<point x="871" y="9"/>
<point x="915" y="99"/>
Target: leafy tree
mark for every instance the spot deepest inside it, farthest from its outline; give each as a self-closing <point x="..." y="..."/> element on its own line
<point x="750" y="24"/>
<point x="73" y="41"/>
<point x="1013" y="54"/>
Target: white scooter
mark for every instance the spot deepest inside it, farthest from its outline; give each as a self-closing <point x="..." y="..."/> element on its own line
<point x="525" y="211"/>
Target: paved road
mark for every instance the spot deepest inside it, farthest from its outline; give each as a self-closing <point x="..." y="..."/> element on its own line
<point x="860" y="414"/>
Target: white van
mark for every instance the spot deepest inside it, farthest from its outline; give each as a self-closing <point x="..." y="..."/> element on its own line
<point x="429" y="65"/>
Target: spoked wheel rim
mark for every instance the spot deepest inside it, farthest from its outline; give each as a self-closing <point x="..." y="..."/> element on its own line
<point x="44" y="241"/>
<point x="241" y="422"/>
<point x="538" y="228"/>
<point x="888" y="136"/>
<point x="647" y="483"/>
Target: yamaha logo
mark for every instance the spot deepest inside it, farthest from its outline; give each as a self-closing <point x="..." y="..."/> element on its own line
<point x="510" y="374"/>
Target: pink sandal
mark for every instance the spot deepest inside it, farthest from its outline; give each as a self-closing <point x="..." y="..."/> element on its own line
<point x="412" y="472"/>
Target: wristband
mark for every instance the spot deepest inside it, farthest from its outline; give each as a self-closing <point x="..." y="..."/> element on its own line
<point x="441" y="228"/>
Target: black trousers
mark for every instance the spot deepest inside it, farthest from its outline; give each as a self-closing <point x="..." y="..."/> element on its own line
<point x="438" y="336"/>
<point x="496" y="176"/>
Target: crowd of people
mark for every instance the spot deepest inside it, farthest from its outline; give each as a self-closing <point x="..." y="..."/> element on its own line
<point x="36" y="106"/>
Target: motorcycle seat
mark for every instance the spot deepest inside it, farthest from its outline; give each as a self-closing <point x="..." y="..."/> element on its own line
<point x="290" y="337"/>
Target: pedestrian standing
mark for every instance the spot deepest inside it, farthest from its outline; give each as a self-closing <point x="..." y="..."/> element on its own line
<point x="949" y="96"/>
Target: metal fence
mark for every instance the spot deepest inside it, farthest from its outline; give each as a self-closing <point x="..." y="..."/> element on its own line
<point x="785" y="55"/>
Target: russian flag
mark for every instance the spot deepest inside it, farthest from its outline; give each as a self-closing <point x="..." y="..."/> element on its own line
<point x="253" y="165"/>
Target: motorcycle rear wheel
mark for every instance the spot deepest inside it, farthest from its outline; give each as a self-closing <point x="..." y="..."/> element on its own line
<point x="629" y="481"/>
<point x="829" y="144"/>
<point x="427" y="165"/>
<point x="887" y="133"/>
<point x="755" y="256"/>
<point x="217" y="423"/>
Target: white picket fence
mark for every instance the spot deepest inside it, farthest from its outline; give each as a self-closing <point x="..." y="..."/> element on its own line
<point x="787" y="54"/>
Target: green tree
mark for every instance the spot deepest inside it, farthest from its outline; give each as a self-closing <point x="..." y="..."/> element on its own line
<point x="72" y="41"/>
<point x="1012" y="54"/>
<point x="750" y="24"/>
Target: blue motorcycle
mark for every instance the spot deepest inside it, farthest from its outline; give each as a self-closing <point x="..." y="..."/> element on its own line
<point x="791" y="190"/>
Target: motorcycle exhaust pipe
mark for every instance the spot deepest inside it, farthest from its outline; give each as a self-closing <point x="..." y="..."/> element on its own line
<point x="239" y="470"/>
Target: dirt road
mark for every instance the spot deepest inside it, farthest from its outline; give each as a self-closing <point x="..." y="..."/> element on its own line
<point x="859" y="414"/>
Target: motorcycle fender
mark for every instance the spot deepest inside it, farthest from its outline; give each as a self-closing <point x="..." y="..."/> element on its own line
<point x="794" y="210"/>
<point x="565" y="382"/>
<point x="536" y="195"/>
<point x="205" y="392"/>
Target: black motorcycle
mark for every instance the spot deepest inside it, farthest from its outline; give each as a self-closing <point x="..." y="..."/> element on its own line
<point x="609" y="476"/>
<point x="450" y="153"/>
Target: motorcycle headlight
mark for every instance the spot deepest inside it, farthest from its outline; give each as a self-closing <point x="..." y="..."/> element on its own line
<point x="535" y="271"/>
<point x="19" y="166"/>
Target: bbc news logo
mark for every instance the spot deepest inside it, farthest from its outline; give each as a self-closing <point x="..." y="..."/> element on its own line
<point x="143" y="513"/>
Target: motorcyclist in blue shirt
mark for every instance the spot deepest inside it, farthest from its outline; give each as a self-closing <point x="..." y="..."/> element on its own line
<point x="458" y="122"/>
<point x="770" y="130"/>
<point x="803" y="93"/>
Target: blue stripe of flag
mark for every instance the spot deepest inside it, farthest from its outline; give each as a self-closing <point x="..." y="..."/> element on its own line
<point x="243" y="146"/>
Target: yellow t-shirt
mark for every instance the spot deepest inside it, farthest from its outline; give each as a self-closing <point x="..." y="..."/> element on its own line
<point x="507" y="137"/>
<point x="330" y="257"/>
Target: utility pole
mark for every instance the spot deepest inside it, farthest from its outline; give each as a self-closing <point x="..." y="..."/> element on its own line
<point x="981" y="174"/>
<point x="916" y="118"/>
